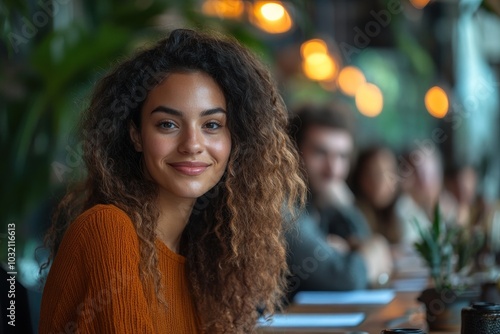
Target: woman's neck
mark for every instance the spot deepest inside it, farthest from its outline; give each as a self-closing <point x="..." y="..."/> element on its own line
<point x="174" y="216"/>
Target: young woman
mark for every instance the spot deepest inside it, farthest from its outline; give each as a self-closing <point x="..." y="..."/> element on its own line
<point x="375" y="185"/>
<point x="178" y="227"/>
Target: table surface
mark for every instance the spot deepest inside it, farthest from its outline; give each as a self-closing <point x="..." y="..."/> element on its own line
<point x="403" y="307"/>
<point x="404" y="311"/>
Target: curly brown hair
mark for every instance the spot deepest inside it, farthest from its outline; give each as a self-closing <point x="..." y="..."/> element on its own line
<point x="234" y="242"/>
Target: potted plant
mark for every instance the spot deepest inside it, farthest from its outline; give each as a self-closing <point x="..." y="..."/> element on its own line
<point x="448" y="251"/>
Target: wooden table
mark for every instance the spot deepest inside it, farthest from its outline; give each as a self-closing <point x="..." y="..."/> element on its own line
<point x="403" y="307"/>
<point x="404" y="311"/>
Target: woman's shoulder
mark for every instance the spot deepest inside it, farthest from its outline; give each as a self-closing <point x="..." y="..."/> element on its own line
<point x="101" y="221"/>
<point x="103" y="212"/>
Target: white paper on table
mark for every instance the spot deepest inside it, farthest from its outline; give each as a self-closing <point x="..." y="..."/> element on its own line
<point x="313" y="320"/>
<point x="410" y="284"/>
<point x="357" y="297"/>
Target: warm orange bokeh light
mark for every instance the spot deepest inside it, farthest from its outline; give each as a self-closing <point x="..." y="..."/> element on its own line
<point x="419" y="3"/>
<point x="350" y="79"/>
<point x="313" y="46"/>
<point x="272" y="11"/>
<point x="223" y="8"/>
<point x="369" y="100"/>
<point x="319" y="67"/>
<point x="436" y="102"/>
<point x="271" y="16"/>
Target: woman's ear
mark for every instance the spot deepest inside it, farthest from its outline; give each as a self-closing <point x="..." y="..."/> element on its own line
<point x="135" y="136"/>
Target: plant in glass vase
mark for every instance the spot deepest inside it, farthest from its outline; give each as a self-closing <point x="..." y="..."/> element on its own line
<point x="448" y="252"/>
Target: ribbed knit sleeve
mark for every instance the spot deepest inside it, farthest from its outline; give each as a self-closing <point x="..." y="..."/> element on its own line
<point x="94" y="286"/>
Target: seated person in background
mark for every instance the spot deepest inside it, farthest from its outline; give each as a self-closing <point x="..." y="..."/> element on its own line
<point x="333" y="248"/>
<point x="375" y="184"/>
<point x="421" y="177"/>
<point x="460" y="188"/>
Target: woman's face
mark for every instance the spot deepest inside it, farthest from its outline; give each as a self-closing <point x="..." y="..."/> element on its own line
<point x="184" y="136"/>
<point x="379" y="181"/>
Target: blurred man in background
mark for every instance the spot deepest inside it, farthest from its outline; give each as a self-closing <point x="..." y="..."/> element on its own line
<point x="333" y="248"/>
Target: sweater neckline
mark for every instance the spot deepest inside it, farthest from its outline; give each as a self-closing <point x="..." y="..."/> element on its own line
<point x="168" y="252"/>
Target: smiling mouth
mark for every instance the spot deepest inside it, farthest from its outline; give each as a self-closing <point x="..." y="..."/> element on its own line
<point x="190" y="168"/>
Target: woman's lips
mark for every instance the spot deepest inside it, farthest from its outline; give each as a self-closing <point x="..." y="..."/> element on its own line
<point x="191" y="168"/>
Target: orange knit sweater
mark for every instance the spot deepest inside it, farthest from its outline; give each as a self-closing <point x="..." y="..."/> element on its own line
<point x="94" y="287"/>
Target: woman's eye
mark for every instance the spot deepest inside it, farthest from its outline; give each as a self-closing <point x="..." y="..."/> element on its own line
<point x="166" y="125"/>
<point x="213" y="125"/>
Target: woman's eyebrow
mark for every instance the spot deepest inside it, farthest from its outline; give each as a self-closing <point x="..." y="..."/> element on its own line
<point x="167" y="110"/>
<point x="175" y="112"/>
<point x="213" y="111"/>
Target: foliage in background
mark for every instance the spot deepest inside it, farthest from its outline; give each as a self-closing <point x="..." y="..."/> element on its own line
<point x="448" y="251"/>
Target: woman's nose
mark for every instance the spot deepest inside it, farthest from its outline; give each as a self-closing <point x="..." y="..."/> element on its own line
<point x="191" y="141"/>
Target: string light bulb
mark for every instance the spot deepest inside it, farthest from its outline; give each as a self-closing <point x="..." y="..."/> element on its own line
<point x="271" y="16"/>
<point x="369" y="100"/>
<point x="223" y="8"/>
<point x="419" y="4"/>
<point x="436" y="102"/>
<point x="350" y="79"/>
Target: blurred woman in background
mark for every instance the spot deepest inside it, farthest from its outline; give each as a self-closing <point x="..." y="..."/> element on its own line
<point x="421" y="176"/>
<point x="375" y="184"/>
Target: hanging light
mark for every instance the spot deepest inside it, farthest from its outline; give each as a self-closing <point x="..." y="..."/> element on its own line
<point x="369" y="100"/>
<point x="419" y="4"/>
<point x="350" y="79"/>
<point x="319" y="67"/>
<point x="317" y="63"/>
<point x="271" y="16"/>
<point x="436" y="102"/>
<point x="313" y="46"/>
<point x="223" y="8"/>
